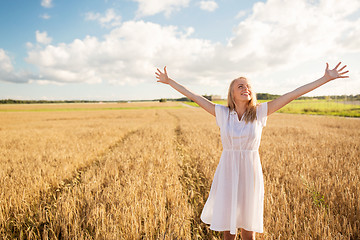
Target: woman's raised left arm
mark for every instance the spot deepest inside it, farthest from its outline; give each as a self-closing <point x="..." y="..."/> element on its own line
<point x="329" y="75"/>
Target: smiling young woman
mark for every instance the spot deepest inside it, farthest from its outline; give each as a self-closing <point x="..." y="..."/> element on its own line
<point x="240" y="89"/>
<point x="236" y="198"/>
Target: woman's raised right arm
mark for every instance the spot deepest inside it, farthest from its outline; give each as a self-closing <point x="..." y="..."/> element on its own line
<point x="200" y="100"/>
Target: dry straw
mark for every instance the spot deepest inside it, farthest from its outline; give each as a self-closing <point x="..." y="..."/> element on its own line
<point x="146" y="174"/>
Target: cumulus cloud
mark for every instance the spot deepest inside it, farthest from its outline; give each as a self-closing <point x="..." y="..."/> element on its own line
<point x="279" y="33"/>
<point x="42" y="37"/>
<point x="208" y="5"/>
<point x="127" y="55"/>
<point x="109" y="19"/>
<point x="46" y="3"/>
<point x="5" y="62"/>
<point x="241" y="14"/>
<point x="152" y="7"/>
<point x="276" y="35"/>
<point x="7" y="72"/>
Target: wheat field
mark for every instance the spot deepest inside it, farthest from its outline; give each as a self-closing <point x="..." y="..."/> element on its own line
<point x="144" y="173"/>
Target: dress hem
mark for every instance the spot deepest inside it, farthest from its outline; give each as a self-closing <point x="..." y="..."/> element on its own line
<point x="222" y="229"/>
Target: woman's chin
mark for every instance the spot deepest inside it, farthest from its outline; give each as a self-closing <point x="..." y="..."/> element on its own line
<point x="245" y="98"/>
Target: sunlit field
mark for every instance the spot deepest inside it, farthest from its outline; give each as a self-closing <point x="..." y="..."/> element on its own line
<point x="70" y="107"/>
<point x="144" y="170"/>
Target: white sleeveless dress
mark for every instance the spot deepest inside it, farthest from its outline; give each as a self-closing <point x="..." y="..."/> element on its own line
<point x="236" y="198"/>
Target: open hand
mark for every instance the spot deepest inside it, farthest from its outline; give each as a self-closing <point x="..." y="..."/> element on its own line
<point x="163" y="77"/>
<point x="335" y="73"/>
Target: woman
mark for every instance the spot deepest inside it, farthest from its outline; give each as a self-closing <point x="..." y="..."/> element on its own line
<point x="236" y="197"/>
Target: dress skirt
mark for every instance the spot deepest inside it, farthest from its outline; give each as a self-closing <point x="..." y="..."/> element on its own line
<point x="236" y="198"/>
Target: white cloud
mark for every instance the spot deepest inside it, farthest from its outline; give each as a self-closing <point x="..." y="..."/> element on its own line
<point x="275" y="36"/>
<point x="127" y="55"/>
<point x="152" y="7"/>
<point x="281" y="33"/>
<point x="7" y="71"/>
<point x="42" y="37"/>
<point x="5" y="62"/>
<point x="45" y="16"/>
<point x="29" y="45"/>
<point x="208" y="5"/>
<point x="46" y="3"/>
<point x="241" y="14"/>
<point x="109" y="19"/>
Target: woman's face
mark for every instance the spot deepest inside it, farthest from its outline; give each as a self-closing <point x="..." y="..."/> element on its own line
<point x="241" y="90"/>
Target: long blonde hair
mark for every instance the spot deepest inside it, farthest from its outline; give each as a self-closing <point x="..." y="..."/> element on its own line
<point x="250" y="112"/>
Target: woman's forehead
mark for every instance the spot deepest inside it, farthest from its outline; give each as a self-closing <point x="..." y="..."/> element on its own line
<point x="243" y="81"/>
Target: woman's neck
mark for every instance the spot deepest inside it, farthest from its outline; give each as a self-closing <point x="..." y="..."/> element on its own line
<point x="240" y="108"/>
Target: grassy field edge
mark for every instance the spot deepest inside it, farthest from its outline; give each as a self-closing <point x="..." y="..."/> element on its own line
<point x="318" y="107"/>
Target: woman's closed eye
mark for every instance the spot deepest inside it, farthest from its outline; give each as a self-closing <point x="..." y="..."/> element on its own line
<point x="243" y="87"/>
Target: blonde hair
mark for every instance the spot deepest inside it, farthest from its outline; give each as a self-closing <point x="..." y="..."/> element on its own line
<point x="250" y="112"/>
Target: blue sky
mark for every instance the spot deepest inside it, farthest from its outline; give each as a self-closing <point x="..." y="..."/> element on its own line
<point x="109" y="49"/>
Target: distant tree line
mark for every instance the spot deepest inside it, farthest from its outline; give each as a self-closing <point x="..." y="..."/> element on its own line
<point x="260" y="96"/>
<point x="268" y="96"/>
<point x="335" y="97"/>
<point x="13" y="101"/>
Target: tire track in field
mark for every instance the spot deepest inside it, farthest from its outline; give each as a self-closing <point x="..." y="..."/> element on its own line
<point x="35" y="220"/>
<point x="194" y="183"/>
<point x="48" y="199"/>
<point x="98" y="162"/>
